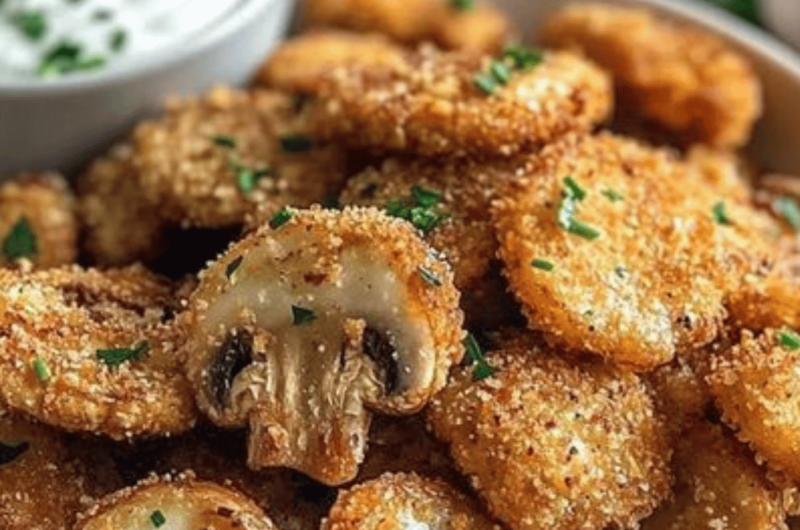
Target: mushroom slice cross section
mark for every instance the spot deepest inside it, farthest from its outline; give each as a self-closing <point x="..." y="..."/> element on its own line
<point x="300" y="331"/>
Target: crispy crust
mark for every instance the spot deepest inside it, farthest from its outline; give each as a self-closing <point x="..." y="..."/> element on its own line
<point x="45" y="201"/>
<point x="432" y="105"/>
<point x="550" y="445"/>
<point x="757" y="388"/>
<point x="63" y="316"/>
<point x="400" y="501"/>
<point x="685" y="79"/>
<point x="678" y="264"/>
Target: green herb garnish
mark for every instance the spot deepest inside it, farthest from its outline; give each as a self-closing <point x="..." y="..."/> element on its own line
<point x="115" y="357"/>
<point x="572" y="195"/>
<point x="67" y="57"/>
<point x="32" y="24"/>
<point x="41" y="369"/>
<point x="612" y="195"/>
<point x="721" y="214"/>
<point x="296" y="143"/>
<point x="485" y="83"/>
<point x="575" y="191"/>
<point x="475" y="356"/>
<point x="787" y="208"/>
<point x="21" y="241"/>
<point x="157" y="518"/>
<point x="233" y="266"/>
<point x="302" y="316"/>
<point x="789" y="339"/>
<point x="101" y="15"/>
<point x="422" y="210"/>
<point x="579" y="228"/>
<point x="224" y="140"/>
<point x="247" y="178"/>
<point x="117" y="40"/>
<point x="280" y="218"/>
<point x="463" y="5"/>
<point x="543" y="265"/>
<point x="524" y="57"/>
<point x="500" y="72"/>
<point x="621" y="272"/>
<point x="429" y="277"/>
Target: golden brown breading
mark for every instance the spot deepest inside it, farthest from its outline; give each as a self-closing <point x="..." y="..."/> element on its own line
<point x="180" y="502"/>
<point x="756" y="386"/>
<point x="38" y="208"/>
<point x="552" y="445"/>
<point x="660" y="250"/>
<point x="719" y="486"/>
<point x="725" y="171"/>
<point x="481" y="28"/>
<point x="433" y="106"/>
<point x="686" y="79"/>
<point x="403" y="501"/>
<point x="306" y="324"/>
<point x="55" y="325"/>
<point x="42" y="484"/>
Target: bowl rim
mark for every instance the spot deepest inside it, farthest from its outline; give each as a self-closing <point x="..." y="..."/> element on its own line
<point x="241" y="14"/>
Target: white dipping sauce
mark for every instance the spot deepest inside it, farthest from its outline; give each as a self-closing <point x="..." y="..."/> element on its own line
<point x="97" y="27"/>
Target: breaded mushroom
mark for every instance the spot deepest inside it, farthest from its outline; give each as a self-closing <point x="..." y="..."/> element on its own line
<point x="453" y="103"/>
<point x="38" y="221"/>
<point x="43" y="486"/>
<point x="175" y="503"/>
<point x="478" y="26"/>
<point x="719" y="486"/>
<point x="685" y="79"/>
<point x="756" y="386"/>
<point x="405" y="501"/>
<point x="93" y="352"/>
<point x="554" y="446"/>
<point x="624" y="251"/>
<point x="303" y="327"/>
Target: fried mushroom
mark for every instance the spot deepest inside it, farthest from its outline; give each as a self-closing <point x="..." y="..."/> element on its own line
<point x="683" y="78"/>
<point x="438" y="103"/>
<point x="625" y="251"/>
<point x="402" y="501"/>
<point x="173" y="503"/>
<point x="554" y="446"/>
<point x="301" y="327"/>
<point x="38" y="221"/>
<point x="93" y="352"/>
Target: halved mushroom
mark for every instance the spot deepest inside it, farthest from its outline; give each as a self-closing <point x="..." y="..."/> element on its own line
<point x="299" y="327"/>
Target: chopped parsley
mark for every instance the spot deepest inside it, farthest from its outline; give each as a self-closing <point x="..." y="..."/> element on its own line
<point x="21" y="241"/>
<point x="429" y="276"/>
<point x="572" y="195"/>
<point x="500" y="72"/>
<point x="32" y="24"/>
<point x="296" y="143"/>
<point x="543" y="265"/>
<point x="66" y="57"/>
<point x="301" y="315"/>
<point x="787" y="208"/>
<point x="115" y="357"/>
<point x="612" y="195"/>
<point x="789" y="339"/>
<point x="721" y="214"/>
<point x="280" y="218"/>
<point x="463" y="5"/>
<point x="524" y="57"/>
<point x="233" y="266"/>
<point x="575" y="191"/>
<point x="41" y="369"/>
<point x="117" y="40"/>
<point x="579" y="228"/>
<point x="247" y="177"/>
<point x="621" y="272"/>
<point x="475" y="356"/>
<point x="158" y="519"/>
<point x="485" y="83"/>
<point x="224" y="140"/>
<point x="422" y="210"/>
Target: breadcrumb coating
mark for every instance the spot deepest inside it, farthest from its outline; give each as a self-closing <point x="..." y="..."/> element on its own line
<point x="180" y="502"/>
<point x="718" y="486"/>
<point x="482" y="27"/>
<point x="402" y="501"/>
<point x="432" y="106"/>
<point x="663" y="251"/>
<point x="553" y="445"/>
<point x="54" y="325"/>
<point x="756" y="386"/>
<point x="47" y="206"/>
<point x="687" y="80"/>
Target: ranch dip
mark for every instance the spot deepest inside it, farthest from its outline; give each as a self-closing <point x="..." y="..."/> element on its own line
<point x="52" y="38"/>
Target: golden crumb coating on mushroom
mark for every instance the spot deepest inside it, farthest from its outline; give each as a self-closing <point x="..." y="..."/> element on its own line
<point x="480" y="27"/>
<point x="624" y="251"/>
<point x="553" y="445"/>
<point x="93" y="352"/>
<point x="684" y="78"/>
<point x="402" y="501"/>
<point x="38" y="221"/>
<point x="725" y="171"/>
<point x="43" y="485"/>
<point x="756" y="386"/>
<point x="175" y="503"/>
<point x="718" y="486"/>
<point x="434" y="106"/>
<point x="304" y="325"/>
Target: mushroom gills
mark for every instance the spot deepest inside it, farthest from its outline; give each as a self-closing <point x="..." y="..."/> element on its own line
<point x="235" y="355"/>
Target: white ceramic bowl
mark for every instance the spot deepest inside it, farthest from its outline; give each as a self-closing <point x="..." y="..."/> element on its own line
<point x="59" y="124"/>
<point x="778" y="66"/>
